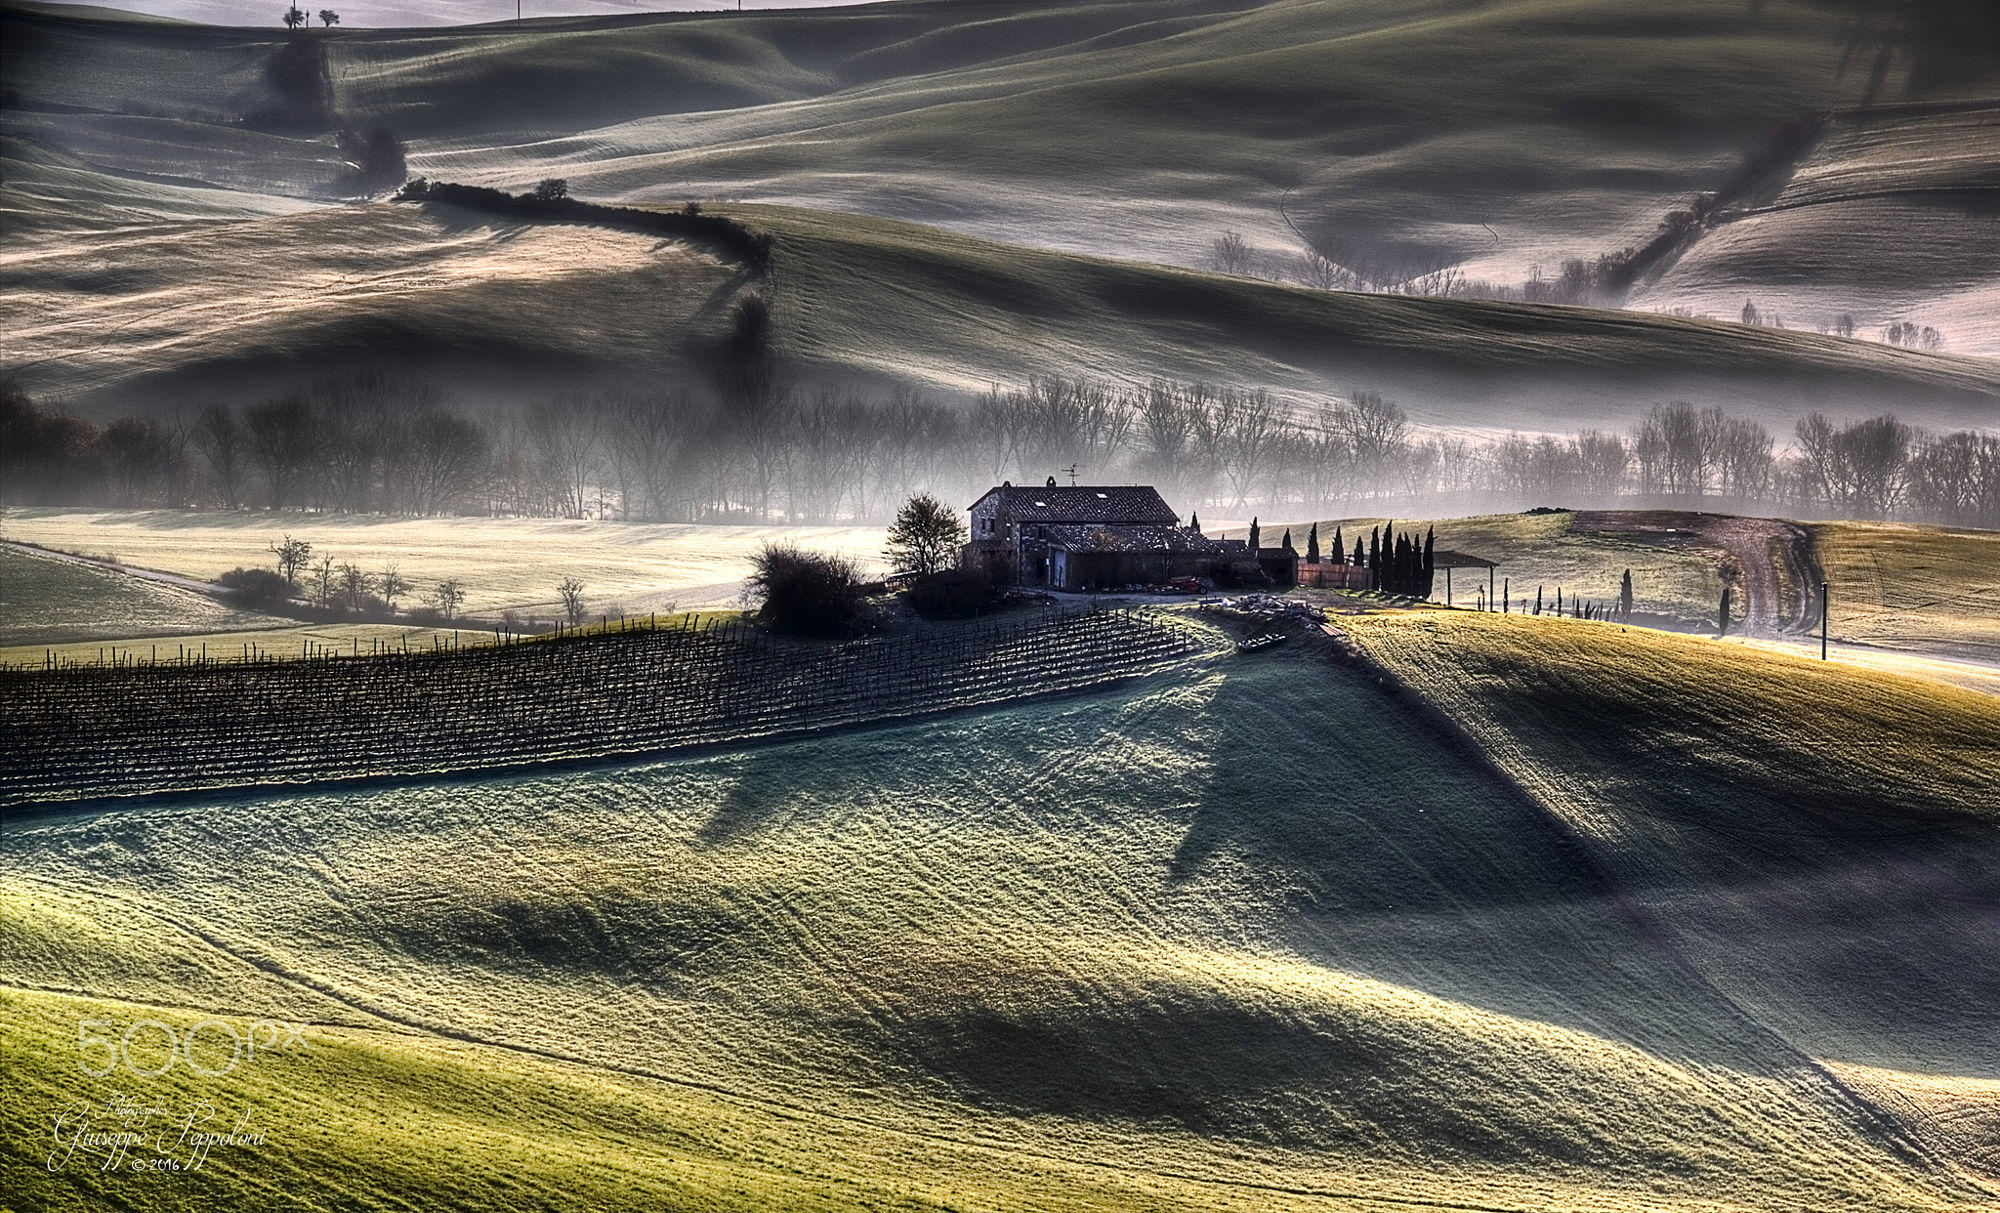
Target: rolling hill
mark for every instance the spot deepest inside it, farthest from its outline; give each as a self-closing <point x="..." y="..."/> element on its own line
<point x="1500" y="136"/>
<point x="1121" y="951"/>
<point x="502" y="309"/>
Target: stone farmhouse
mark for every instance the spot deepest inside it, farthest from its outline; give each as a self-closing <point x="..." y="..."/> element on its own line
<point x="1096" y="537"/>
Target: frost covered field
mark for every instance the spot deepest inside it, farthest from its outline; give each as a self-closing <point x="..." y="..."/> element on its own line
<point x="1116" y="952"/>
<point x="504" y="564"/>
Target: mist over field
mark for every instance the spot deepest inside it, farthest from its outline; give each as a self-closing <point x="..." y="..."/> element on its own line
<point x="1001" y="605"/>
<point x="403" y="14"/>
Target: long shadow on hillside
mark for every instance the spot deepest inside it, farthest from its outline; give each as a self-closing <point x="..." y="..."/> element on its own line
<point x="1398" y="855"/>
<point x="1863" y="921"/>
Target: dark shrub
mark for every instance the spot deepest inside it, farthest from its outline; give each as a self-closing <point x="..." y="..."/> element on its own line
<point x="258" y="589"/>
<point x="806" y="593"/>
<point x="952" y="594"/>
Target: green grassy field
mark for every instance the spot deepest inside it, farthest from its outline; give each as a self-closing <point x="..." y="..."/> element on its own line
<point x="1247" y="935"/>
<point x="1780" y="788"/>
<point x="45" y="601"/>
<point x="1932" y="589"/>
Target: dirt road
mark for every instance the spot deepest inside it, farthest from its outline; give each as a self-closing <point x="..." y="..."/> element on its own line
<point x="1776" y="573"/>
<point x="1769" y="562"/>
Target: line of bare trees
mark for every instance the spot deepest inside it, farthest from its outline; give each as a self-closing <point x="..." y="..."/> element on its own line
<point x="756" y="449"/>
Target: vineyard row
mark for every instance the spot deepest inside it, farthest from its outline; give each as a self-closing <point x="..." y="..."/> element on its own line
<point x="120" y="731"/>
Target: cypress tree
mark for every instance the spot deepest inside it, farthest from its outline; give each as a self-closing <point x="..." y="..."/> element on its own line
<point x="1538" y="600"/>
<point x="1253" y="531"/>
<point x="1312" y="544"/>
<point x="1360" y="557"/>
<point x="1286" y="542"/>
<point x="1506" y="596"/>
<point x="1625" y="596"/>
<point x="1339" y="547"/>
<point x="1194" y="523"/>
<point x="1559" y="602"/>
<point x="1722" y="616"/>
<point x="1430" y="560"/>
<point x="1375" y="558"/>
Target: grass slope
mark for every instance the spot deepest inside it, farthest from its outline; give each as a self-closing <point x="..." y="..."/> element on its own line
<point x="1849" y="814"/>
<point x="1549" y="551"/>
<point x="1933" y="589"/>
<point x="503" y="309"/>
<point x="47" y="601"/>
<point x="1502" y="136"/>
<point x="1873" y="225"/>
<point x="1245" y="935"/>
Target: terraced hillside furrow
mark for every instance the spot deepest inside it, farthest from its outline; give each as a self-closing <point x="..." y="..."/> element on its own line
<point x="104" y="733"/>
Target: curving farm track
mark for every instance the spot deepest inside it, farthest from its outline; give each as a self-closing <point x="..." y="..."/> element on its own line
<point x="1776" y="573"/>
<point x="1769" y="561"/>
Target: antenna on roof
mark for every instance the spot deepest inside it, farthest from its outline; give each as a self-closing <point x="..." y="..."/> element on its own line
<point x="1071" y="471"/>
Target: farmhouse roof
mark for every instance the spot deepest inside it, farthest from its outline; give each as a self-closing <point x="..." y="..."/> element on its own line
<point x="1111" y="538"/>
<point x="1136" y="504"/>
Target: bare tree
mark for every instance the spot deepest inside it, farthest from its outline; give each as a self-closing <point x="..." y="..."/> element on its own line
<point x="292" y="555"/>
<point x="448" y="597"/>
<point x="1876" y="453"/>
<point x="1166" y="419"/>
<point x="570" y="590"/>
<point x="441" y="458"/>
<point x="322" y="582"/>
<point x="1229" y="254"/>
<point x="1601" y="461"/>
<point x="391" y="586"/>
<point x="1250" y="425"/>
<point x="285" y="444"/>
<point x="354" y="585"/>
<point x="563" y="436"/>
<point x="223" y="447"/>
<point x="827" y="453"/>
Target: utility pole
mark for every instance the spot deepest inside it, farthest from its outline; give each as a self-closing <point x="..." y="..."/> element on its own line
<point x="1822" y="620"/>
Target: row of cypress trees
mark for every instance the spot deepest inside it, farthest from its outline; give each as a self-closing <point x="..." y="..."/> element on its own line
<point x="1401" y="563"/>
